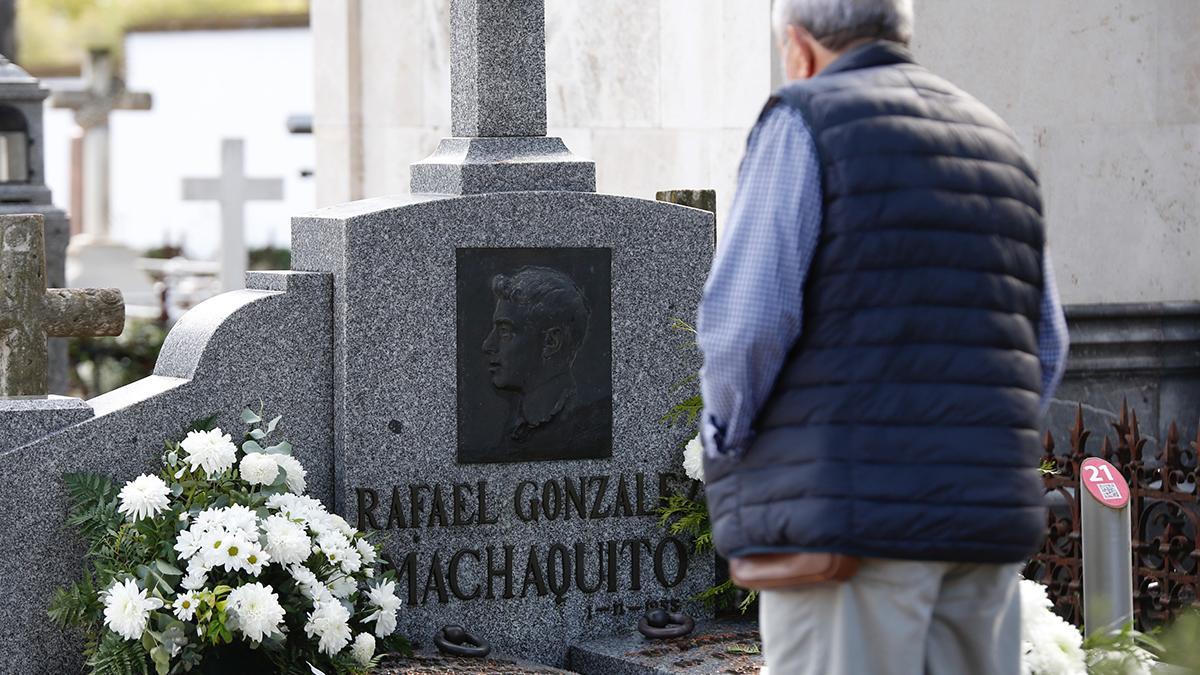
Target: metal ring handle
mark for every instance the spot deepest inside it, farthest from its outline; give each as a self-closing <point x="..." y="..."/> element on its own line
<point x="455" y="640"/>
<point x="660" y="625"/>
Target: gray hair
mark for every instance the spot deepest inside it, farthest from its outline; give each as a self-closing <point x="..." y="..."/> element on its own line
<point x="838" y="23"/>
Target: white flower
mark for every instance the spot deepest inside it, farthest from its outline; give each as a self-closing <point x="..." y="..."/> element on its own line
<point x="363" y="649"/>
<point x="127" y="608"/>
<point x="1049" y="645"/>
<point x="188" y="543"/>
<point x="367" y="550"/>
<point x="297" y="507"/>
<point x="209" y="450"/>
<point x="330" y="621"/>
<point x="693" y="459"/>
<point x="195" y="579"/>
<point x="294" y="471"/>
<point x="144" y="497"/>
<point x="343" y="587"/>
<point x="257" y="611"/>
<point x="258" y="468"/>
<point x="240" y="519"/>
<point x="185" y="606"/>
<point x="287" y="542"/>
<point x="256" y="558"/>
<point x="336" y="547"/>
<point x="383" y="598"/>
<point x="310" y="586"/>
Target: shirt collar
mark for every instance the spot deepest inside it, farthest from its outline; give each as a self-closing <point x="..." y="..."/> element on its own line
<point x="870" y="55"/>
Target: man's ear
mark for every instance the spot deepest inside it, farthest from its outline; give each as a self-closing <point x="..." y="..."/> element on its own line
<point x="552" y="342"/>
<point x="802" y="57"/>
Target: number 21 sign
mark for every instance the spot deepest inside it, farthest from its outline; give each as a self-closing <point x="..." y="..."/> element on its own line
<point x="1105" y="482"/>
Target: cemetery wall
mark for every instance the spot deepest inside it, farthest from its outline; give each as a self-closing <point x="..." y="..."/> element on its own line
<point x="1104" y="93"/>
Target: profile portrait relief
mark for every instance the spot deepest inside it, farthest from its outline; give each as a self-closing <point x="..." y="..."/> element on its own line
<point x="534" y="355"/>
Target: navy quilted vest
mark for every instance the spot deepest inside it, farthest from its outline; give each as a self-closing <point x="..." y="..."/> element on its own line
<point x="904" y="423"/>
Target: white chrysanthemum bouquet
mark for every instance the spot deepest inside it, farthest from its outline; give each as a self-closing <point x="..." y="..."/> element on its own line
<point x="221" y="564"/>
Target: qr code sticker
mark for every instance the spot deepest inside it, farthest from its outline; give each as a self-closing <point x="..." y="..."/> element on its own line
<point x="1110" y="491"/>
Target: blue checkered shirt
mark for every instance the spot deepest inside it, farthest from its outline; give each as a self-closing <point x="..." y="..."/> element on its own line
<point x="751" y="313"/>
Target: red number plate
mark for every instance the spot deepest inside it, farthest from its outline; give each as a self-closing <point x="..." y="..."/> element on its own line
<point x="1105" y="482"/>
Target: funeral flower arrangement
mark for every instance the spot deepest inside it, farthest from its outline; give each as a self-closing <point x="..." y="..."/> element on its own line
<point x="220" y="561"/>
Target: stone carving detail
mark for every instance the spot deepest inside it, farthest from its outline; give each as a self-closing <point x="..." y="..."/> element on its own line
<point x="534" y="355"/>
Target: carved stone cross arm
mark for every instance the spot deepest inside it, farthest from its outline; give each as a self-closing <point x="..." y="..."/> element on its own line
<point x="30" y="313"/>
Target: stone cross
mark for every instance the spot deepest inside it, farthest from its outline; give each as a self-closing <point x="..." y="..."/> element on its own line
<point x="498" y="67"/>
<point x="232" y="189"/>
<point x="498" y="108"/>
<point x="30" y="312"/>
<point x="104" y="93"/>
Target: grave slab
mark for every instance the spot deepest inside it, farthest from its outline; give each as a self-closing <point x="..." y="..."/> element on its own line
<point x="727" y="646"/>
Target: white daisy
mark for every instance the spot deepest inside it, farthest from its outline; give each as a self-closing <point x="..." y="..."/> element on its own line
<point x="256" y="558"/>
<point x="258" y="468"/>
<point x="209" y="450"/>
<point x="257" y="611"/>
<point x="127" y="609"/>
<point x="185" y="606"/>
<point x="144" y="497"/>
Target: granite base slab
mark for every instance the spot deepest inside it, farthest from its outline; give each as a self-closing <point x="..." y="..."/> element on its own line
<point x="428" y="662"/>
<point x="725" y="646"/>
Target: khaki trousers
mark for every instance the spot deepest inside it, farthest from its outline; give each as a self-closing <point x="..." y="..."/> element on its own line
<point x="898" y="618"/>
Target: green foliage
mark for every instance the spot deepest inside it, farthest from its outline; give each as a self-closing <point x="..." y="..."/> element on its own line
<point x="101" y="364"/>
<point x="270" y="258"/>
<point x="77" y="605"/>
<point x="686" y="517"/>
<point x="1179" y="644"/>
<point x="56" y="32"/>
<point x="114" y="656"/>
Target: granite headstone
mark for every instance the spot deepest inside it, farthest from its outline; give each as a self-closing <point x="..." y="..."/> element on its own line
<point x="503" y="354"/>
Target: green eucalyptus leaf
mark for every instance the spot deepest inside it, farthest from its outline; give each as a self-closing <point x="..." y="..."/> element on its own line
<point x="162" y="660"/>
<point x="167" y="568"/>
<point x="273" y="423"/>
<point x="258" y="434"/>
<point x="250" y="417"/>
<point x="251" y="447"/>
<point x="283" y="448"/>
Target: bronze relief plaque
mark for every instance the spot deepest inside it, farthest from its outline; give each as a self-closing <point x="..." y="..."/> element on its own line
<point x="534" y="354"/>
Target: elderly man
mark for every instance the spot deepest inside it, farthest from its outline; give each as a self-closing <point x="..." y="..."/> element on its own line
<point x="881" y="334"/>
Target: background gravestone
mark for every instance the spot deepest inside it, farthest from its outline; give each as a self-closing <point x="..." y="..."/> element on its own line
<point x="510" y="499"/>
<point x="23" y="186"/>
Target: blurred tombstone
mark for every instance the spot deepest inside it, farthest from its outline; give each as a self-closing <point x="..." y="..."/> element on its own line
<point x="23" y="188"/>
<point x="232" y="190"/>
<point x="94" y="259"/>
